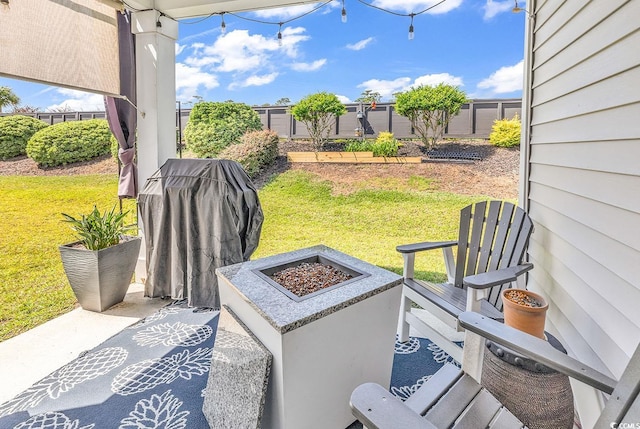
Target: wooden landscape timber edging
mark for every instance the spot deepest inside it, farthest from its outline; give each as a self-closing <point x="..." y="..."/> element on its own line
<point x="351" y="157"/>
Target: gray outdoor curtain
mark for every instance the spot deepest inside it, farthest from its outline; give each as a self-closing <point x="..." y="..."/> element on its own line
<point x="121" y="114"/>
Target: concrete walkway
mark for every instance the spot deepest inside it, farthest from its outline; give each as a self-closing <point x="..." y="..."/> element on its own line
<point x="31" y="356"/>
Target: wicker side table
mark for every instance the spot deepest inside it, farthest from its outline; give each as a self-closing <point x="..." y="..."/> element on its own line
<point x="539" y="396"/>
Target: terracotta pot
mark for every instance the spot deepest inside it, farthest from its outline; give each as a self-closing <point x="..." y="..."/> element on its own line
<point x="525" y="318"/>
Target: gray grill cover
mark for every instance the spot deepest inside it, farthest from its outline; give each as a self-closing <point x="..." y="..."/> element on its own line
<point x="198" y="215"/>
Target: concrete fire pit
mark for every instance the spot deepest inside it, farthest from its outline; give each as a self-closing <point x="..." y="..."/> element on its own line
<point x="323" y="345"/>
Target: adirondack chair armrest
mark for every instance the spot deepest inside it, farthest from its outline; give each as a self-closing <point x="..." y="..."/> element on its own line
<point x="496" y="278"/>
<point x="536" y="349"/>
<point x="376" y="408"/>
<point x="426" y="245"/>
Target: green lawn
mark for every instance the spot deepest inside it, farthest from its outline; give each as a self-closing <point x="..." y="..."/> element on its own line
<point x="299" y="209"/>
<point x="33" y="287"/>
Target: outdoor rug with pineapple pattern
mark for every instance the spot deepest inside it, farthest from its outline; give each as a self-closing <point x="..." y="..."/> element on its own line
<point x="153" y="374"/>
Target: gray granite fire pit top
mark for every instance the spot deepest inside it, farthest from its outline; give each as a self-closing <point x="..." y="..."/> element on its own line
<point x="285" y="314"/>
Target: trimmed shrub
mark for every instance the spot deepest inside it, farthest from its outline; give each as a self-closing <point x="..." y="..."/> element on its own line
<point x="69" y="142"/>
<point x="385" y="145"/>
<point x="15" y="132"/>
<point x="359" y="146"/>
<point x="212" y="127"/>
<point x="257" y="150"/>
<point x="505" y="132"/>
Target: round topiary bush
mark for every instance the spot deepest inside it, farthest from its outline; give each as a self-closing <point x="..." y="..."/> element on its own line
<point x="214" y="126"/>
<point x="15" y="132"/>
<point x="69" y="142"/>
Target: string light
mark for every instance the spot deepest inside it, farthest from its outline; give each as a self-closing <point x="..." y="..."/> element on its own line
<point x="280" y="34"/>
<point x="411" y="28"/>
<point x="344" y="13"/>
<point x="517" y="9"/>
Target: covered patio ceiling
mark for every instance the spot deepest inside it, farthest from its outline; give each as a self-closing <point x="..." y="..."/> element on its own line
<point x="181" y="9"/>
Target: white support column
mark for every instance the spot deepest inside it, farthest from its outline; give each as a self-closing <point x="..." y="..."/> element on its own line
<point x="156" y="97"/>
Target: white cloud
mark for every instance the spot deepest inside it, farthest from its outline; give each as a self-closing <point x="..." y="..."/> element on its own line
<point x="250" y="59"/>
<point x="291" y="39"/>
<point x="412" y="6"/>
<point x="343" y="99"/>
<point x="236" y="51"/>
<point x="190" y="79"/>
<point x="506" y="79"/>
<point x="201" y="34"/>
<point x="361" y="44"/>
<point x="255" y="80"/>
<point x="78" y="101"/>
<point x="307" y="67"/>
<point x="239" y="51"/>
<point x="435" y="79"/>
<point x="179" y="48"/>
<point x="386" y="88"/>
<point x="44" y="91"/>
<point x="493" y="8"/>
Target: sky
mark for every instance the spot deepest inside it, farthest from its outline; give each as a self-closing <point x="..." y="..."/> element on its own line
<point x="476" y="45"/>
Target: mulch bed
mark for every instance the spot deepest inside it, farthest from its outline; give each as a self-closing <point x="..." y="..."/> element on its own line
<point x="494" y="175"/>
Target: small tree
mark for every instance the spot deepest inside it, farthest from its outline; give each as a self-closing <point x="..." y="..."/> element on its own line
<point x="284" y="101"/>
<point x="7" y="97"/>
<point x="26" y="109"/>
<point x="429" y="108"/>
<point x="318" y="112"/>
<point x="369" y="97"/>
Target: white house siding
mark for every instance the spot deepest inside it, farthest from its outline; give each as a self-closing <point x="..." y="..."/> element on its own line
<point x="581" y="173"/>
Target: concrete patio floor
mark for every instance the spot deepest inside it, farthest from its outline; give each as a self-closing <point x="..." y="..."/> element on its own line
<point x="31" y="356"/>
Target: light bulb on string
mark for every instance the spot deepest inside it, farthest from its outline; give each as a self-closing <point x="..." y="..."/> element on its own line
<point x="411" y="35"/>
<point x="516" y="8"/>
<point x="280" y="34"/>
<point x="223" y="25"/>
<point x="344" y="13"/>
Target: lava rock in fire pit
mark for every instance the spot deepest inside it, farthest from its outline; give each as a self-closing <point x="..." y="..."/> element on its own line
<point x="307" y="277"/>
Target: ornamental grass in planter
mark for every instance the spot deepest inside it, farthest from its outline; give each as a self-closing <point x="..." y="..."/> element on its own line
<point x="100" y="265"/>
<point x="525" y="310"/>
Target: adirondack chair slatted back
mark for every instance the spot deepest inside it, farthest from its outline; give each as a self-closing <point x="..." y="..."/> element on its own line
<point x="492" y="236"/>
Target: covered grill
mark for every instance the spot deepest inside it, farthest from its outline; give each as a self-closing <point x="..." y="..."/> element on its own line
<point x="197" y="215"/>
